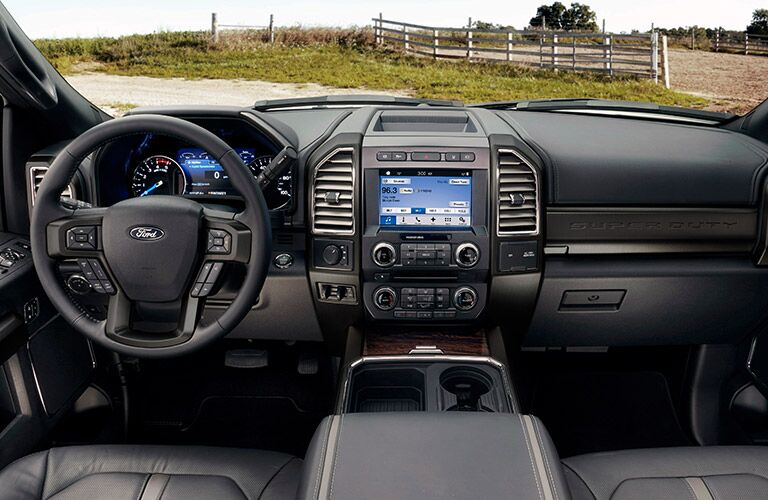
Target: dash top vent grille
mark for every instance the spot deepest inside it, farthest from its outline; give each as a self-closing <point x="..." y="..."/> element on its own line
<point x="518" y="201"/>
<point x="333" y="194"/>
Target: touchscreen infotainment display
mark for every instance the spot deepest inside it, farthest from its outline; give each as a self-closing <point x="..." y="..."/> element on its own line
<point x="206" y="176"/>
<point x="425" y="197"/>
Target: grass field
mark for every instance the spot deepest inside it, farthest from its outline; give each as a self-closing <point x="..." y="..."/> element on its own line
<point x="338" y="58"/>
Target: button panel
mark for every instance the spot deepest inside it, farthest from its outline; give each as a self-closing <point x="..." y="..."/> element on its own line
<point x="423" y="304"/>
<point x="82" y="238"/>
<point x="94" y="272"/>
<point x="206" y="279"/>
<point x="425" y="254"/>
<point x="219" y="241"/>
<point x="518" y="256"/>
<point x="426" y="156"/>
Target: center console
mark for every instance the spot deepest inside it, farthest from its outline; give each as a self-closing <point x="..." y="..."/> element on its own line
<point x="432" y="456"/>
<point x="425" y="243"/>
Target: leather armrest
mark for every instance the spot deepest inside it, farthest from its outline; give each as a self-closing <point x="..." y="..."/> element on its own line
<point x="432" y="455"/>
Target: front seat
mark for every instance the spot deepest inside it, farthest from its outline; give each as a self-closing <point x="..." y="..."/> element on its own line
<point x="138" y="472"/>
<point x="705" y="473"/>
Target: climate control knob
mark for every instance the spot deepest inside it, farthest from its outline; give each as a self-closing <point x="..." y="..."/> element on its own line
<point x="465" y="298"/>
<point x="385" y="298"/>
<point x="467" y="255"/>
<point x="384" y="254"/>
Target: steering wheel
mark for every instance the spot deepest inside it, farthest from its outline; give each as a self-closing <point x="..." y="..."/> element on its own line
<point x="156" y="257"/>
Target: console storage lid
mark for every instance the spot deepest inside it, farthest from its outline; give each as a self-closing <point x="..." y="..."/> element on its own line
<point x="428" y="455"/>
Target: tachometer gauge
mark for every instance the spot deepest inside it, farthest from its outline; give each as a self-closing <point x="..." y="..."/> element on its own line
<point x="278" y="194"/>
<point x="158" y="175"/>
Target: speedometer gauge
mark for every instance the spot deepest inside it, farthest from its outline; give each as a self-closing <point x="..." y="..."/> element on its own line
<point x="158" y="175"/>
<point x="278" y="194"/>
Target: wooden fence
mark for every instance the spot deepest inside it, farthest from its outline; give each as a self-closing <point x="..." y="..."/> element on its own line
<point x="641" y="55"/>
<point x="216" y="28"/>
<point x="741" y="43"/>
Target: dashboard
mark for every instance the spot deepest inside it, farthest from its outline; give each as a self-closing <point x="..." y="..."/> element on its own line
<point x="558" y="229"/>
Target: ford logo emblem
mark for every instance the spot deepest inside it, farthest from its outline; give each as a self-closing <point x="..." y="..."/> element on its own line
<point x="146" y="233"/>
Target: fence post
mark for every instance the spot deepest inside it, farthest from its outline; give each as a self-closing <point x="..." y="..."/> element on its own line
<point x="509" y="46"/>
<point x="436" y="42"/>
<point x="717" y="40"/>
<point x="610" y="54"/>
<point x="606" y="53"/>
<point x="573" y="55"/>
<point x="554" y="51"/>
<point x="214" y="28"/>
<point x="665" y="60"/>
<point x="541" y="49"/>
<point x="655" y="57"/>
<point x="406" y="39"/>
<point x="746" y="44"/>
<point x="272" y="28"/>
<point x="469" y="45"/>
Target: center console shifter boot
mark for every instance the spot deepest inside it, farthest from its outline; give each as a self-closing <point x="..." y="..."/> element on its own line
<point x="432" y="456"/>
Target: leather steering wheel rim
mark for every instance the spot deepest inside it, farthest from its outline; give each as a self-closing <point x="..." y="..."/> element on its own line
<point x="48" y="209"/>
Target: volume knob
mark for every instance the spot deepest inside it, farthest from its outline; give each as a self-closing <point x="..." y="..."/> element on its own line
<point x="384" y="254"/>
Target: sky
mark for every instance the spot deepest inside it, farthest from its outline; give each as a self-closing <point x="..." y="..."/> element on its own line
<point x="70" y="18"/>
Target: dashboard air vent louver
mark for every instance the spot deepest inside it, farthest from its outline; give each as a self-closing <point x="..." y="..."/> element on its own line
<point x="333" y="194"/>
<point x="36" y="175"/>
<point x="518" y="205"/>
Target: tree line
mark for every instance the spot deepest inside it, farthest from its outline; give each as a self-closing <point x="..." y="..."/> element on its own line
<point x="581" y="17"/>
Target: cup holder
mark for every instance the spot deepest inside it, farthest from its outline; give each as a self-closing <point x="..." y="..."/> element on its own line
<point x="468" y="385"/>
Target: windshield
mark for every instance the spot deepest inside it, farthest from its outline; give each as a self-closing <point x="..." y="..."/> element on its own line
<point x="131" y="54"/>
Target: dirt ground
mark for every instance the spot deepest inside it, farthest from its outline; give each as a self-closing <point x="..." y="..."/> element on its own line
<point x="734" y="82"/>
<point x="117" y="94"/>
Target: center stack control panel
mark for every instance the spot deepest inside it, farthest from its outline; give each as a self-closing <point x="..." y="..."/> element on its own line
<point x="425" y="247"/>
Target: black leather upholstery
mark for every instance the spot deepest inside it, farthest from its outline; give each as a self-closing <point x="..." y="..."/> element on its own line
<point x="708" y="473"/>
<point x="432" y="456"/>
<point x="151" y="473"/>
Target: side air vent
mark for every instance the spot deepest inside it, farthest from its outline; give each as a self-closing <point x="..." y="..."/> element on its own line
<point x="36" y="174"/>
<point x="333" y="189"/>
<point x="518" y="205"/>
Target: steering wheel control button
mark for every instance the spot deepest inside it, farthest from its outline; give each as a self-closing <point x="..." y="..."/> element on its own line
<point x="81" y="238"/>
<point x="78" y="284"/>
<point x="94" y="273"/>
<point x="385" y="298"/>
<point x="206" y="279"/>
<point x="465" y="298"/>
<point x="384" y="254"/>
<point x="214" y="274"/>
<point x="219" y="241"/>
<point x="283" y="261"/>
<point x="467" y="255"/>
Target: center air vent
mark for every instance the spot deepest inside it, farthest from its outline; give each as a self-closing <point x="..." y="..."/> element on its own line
<point x="518" y="201"/>
<point x="333" y="194"/>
